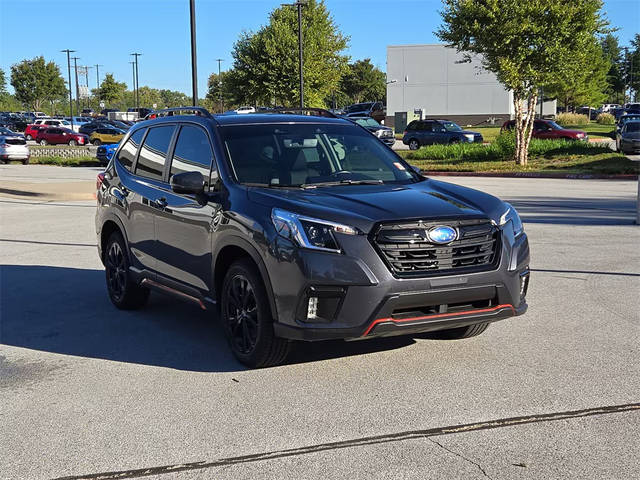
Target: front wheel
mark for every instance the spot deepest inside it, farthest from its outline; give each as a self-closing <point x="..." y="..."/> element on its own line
<point x="97" y="142"/>
<point x="43" y="142"/>
<point x="123" y="291"/>
<point x="25" y="162"/>
<point x="28" y="137"/>
<point x="247" y="320"/>
<point x="414" y="144"/>
<point x="72" y="143"/>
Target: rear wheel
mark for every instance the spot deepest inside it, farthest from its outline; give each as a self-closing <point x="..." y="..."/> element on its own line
<point x="414" y="144"/>
<point x="454" y="140"/>
<point x="72" y="143"/>
<point x="124" y="292"/>
<point x="97" y="142"/>
<point x="462" y="332"/>
<point x="28" y="137"/>
<point x="25" y="162"/>
<point x="247" y="318"/>
<point x="43" y="142"/>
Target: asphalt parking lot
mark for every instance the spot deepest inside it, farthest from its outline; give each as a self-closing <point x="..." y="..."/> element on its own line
<point x="86" y="390"/>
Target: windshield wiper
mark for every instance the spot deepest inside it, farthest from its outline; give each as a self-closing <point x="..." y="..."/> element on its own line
<point x="341" y="182"/>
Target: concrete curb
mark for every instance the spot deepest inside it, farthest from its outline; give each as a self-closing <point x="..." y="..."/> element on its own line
<point x="573" y="176"/>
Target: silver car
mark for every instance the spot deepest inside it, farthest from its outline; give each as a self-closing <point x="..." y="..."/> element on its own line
<point x="14" y="148"/>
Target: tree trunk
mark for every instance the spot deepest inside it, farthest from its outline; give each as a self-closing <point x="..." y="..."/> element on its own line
<point x="524" y="126"/>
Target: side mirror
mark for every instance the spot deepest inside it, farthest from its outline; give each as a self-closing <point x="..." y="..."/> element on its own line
<point x="188" y="182"/>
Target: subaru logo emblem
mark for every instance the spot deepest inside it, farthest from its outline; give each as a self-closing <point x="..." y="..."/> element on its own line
<point x="442" y="234"/>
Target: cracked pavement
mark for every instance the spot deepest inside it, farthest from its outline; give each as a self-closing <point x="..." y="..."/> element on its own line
<point x="86" y="389"/>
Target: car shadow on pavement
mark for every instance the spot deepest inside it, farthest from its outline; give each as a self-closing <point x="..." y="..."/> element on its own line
<point x="576" y="211"/>
<point x="67" y="311"/>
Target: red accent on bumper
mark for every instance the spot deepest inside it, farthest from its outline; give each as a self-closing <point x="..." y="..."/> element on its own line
<point x="439" y="315"/>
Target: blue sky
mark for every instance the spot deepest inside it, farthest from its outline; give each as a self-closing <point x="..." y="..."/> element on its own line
<point x="107" y="31"/>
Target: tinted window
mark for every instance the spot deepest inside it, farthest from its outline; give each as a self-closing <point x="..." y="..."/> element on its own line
<point x="425" y="126"/>
<point x="632" y="127"/>
<point x="413" y="125"/>
<point x="128" y="152"/>
<point x="153" y="152"/>
<point x="192" y="152"/>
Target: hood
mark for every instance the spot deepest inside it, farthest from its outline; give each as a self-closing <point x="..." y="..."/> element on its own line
<point x="469" y="132"/>
<point x="572" y="132"/>
<point x="631" y="135"/>
<point x="363" y="206"/>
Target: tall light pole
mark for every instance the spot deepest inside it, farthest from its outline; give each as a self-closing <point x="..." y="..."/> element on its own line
<point x="299" y="4"/>
<point x="75" y="67"/>
<point x="68" y="52"/>
<point x="86" y="81"/>
<point x="194" y="66"/>
<point x="98" y="79"/>
<point x="136" y="55"/>
<point x="133" y="72"/>
<point x="220" y="60"/>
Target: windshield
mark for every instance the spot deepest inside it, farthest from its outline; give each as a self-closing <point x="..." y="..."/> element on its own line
<point x="359" y="107"/>
<point x="64" y="122"/>
<point x="451" y="127"/>
<point x="367" y="122"/>
<point x="632" y="127"/>
<point x="554" y="125"/>
<point x="629" y="118"/>
<point x="311" y="154"/>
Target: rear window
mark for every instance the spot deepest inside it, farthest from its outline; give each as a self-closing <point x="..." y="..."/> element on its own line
<point x="128" y="152"/>
<point x="15" y="141"/>
<point x="153" y="152"/>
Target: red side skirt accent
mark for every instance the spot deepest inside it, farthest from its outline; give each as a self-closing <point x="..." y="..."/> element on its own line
<point x="439" y="315"/>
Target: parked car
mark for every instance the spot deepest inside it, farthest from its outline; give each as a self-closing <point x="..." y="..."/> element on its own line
<point x="5" y="132"/>
<point x="374" y="110"/>
<point x="105" y="152"/>
<point x="626" y="118"/>
<point x="628" y="139"/>
<point x="77" y="122"/>
<point x="430" y="132"/>
<point x="59" y="135"/>
<point x="13" y="149"/>
<point x="31" y="132"/>
<point x="385" y="134"/>
<point x="305" y="228"/>
<point x="13" y="122"/>
<point x="106" y="135"/>
<point x="53" y="122"/>
<point x="141" y="111"/>
<point x="89" y="128"/>
<point x="591" y="113"/>
<point x="245" y="110"/>
<point x="607" y="107"/>
<point x="88" y="112"/>
<point x="550" y="130"/>
<point x="105" y="111"/>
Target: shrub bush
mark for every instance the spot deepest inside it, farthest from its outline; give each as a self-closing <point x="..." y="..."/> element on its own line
<point x="606" y="119"/>
<point x="572" y="119"/>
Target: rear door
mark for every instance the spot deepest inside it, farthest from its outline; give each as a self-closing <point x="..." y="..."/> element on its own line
<point x="425" y="129"/>
<point x="184" y="228"/>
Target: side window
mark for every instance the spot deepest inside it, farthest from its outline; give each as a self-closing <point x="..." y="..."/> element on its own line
<point x="412" y="126"/>
<point x="193" y="153"/>
<point x="426" y="126"/>
<point x="129" y="149"/>
<point x="153" y="152"/>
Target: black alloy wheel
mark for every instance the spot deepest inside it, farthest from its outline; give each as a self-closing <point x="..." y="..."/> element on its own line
<point x="242" y="315"/>
<point x="123" y="290"/>
<point x="414" y="144"/>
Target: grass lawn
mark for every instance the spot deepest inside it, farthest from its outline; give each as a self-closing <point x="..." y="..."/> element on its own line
<point x="545" y="156"/>
<point x="595" y="130"/>
<point x="65" y="162"/>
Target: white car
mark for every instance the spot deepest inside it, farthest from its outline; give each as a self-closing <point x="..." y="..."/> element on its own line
<point x="77" y="122"/>
<point x="245" y="110"/>
<point x="607" y="107"/>
<point x="55" y="122"/>
<point x="14" y="148"/>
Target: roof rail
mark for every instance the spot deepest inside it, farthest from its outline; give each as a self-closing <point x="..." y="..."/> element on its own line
<point x="318" y="112"/>
<point x="169" y="112"/>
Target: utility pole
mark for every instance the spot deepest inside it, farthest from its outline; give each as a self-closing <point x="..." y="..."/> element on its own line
<point x="299" y="4"/>
<point x="136" y="55"/>
<point x="67" y="51"/>
<point x="75" y="67"/>
<point x="133" y="71"/>
<point x="194" y="66"/>
<point x="98" y="79"/>
<point x="220" y="60"/>
<point x="86" y="80"/>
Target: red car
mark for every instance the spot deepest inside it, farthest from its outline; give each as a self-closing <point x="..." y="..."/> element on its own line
<point x="549" y="129"/>
<point x="31" y="131"/>
<point x="56" y="135"/>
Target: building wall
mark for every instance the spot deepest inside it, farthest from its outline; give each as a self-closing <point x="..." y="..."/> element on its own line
<point x="432" y="77"/>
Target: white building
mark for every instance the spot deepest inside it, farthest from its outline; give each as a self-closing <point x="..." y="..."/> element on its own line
<point x="435" y="78"/>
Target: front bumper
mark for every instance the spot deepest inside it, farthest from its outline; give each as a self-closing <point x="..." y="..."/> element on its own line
<point x="630" y="146"/>
<point x="364" y="299"/>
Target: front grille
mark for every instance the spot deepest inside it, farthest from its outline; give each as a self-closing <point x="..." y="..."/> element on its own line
<point x="407" y="251"/>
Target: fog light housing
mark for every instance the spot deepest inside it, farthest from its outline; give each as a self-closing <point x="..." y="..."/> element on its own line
<point x="524" y="284"/>
<point x="320" y="304"/>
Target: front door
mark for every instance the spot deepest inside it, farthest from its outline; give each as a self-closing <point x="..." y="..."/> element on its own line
<point x="184" y="228"/>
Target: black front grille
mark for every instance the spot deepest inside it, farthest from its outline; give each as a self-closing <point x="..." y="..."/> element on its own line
<point x="407" y="250"/>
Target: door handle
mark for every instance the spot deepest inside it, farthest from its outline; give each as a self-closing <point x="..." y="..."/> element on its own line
<point x="160" y="203"/>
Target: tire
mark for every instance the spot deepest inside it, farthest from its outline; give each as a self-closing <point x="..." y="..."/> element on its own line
<point x="97" y="142"/>
<point x="72" y="143"/>
<point x="44" y="142"/>
<point x="28" y="137"/>
<point x="454" y="140"/>
<point x="247" y="318"/>
<point x="25" y="162"/>
<point x="461" y="332"/>
<point x="123" y="291"/>
<point x="414" y="144"/>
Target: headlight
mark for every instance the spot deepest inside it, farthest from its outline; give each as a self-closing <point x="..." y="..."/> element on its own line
<point x="309" y="232"/>
<point x="378" y="133"/>
<point x="511" y="215"/>
<point x="470" y="136"/>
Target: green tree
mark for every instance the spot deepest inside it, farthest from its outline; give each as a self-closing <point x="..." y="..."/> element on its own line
<point x="265" y="69"/>
<point x="219" y="89"/>
<point x="36" y="82"/>
<point x="362" y="81"/>
<point x="3" y="84"/>
<point x="110" y="90"/>
<point x="615" y="76"/>
<point x="632" y="67"/>
<point x="526" y="44"/>
<point x="586" y="81"/>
